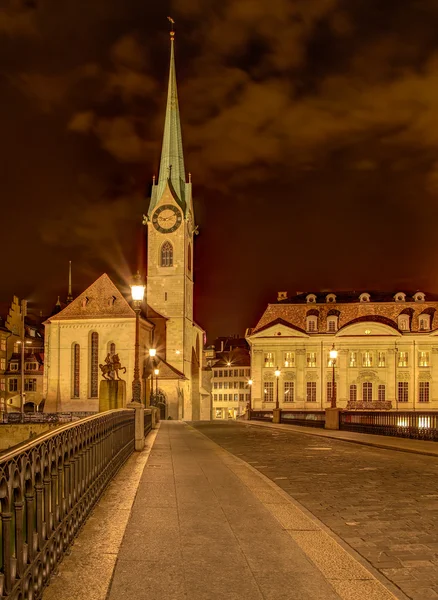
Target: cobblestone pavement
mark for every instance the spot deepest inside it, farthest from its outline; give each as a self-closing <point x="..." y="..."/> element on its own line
<point x="383" y="503"/>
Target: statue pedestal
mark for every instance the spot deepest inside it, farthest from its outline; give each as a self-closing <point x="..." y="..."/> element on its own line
<point x="112" y="394"/>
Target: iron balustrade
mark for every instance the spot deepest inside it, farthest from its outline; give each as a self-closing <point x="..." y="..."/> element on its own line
<point x="261" y="415"/>
<point x="418" y="425"/>
<point x="48" y="488"/>
<point x="147" y="422"/>
<point x="304" y="418"/>
<point x="37" y="417"/>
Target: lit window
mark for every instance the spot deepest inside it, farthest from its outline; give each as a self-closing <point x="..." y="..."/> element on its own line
<point x="403" y="391"/>
<point x="329" y="390"/>
<point x="402" y="359"/>
<point x="381" y="359"/>
<point x="353" y="359"/>
<point x="367" y="359"/>
<point x="403" y="322"/>
<point x="16" y="347"/>
<point x="289" y="359"/>
<point x="367" y="391"/>
<point x="236" y="397"/>
<point x="311" y="359"/>
<point x="312" y="323"/>
<point x="30" y="385"/>
<point x="2" y="385"/>
<point x="381" y="393"/>
<point x="225" y="385"/>
<point x="2" y="364"/>
<point x="424" y="389"/>
<point x="94" y="365"/>
<point x="166" y="258"/>
<point x="424" y="323"/>
<point x="269" y="359"/>
<point x="353" y="393"/>
<point x="289" y="389"/>
<point x="3" y="345"/>
<point x="423" y="359"/>
<point x="269" y="391"/>
<point x="311" y="391"/>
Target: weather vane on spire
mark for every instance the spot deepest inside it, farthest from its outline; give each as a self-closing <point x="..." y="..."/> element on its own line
<point x="172" y="28"/>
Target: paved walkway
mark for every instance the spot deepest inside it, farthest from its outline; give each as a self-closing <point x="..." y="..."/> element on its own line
<point x="205" y="525"/>
<point x="365" y="439"/>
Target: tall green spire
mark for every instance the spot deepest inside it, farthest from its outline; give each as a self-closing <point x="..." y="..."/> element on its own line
<point x="172" y="157"/>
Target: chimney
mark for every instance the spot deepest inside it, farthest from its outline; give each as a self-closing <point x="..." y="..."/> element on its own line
<point x="281" y="296"/>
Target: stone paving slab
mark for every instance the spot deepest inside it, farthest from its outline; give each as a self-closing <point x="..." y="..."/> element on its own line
<point x="226" y="532"/>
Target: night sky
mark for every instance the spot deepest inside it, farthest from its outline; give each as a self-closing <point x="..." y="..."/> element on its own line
<point x="310" y="128"/>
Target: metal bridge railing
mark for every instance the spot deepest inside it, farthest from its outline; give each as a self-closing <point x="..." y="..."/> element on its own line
<point x="417" y="425"/>
<point x="47" y="489"/>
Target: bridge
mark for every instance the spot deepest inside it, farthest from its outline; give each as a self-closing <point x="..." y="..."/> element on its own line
<point x="217" y="510"/>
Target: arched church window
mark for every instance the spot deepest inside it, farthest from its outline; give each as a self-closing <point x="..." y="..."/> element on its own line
<point x="189" y="258"/>
<point x="76" y="370"/>
<point x="94" y="365"/>
<point x="166" y="259"/>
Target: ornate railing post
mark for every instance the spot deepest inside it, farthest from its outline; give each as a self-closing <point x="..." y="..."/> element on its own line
<point x="29" y="500"/>
<point x="6" y="548"/>
<point x="18" y="508"/>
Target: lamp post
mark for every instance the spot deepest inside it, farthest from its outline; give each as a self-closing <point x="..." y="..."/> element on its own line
<point x="277" y="374"/>
<point x="250" y="382"/>
<point x="157" y="372"/>
<point x="333" y="357"/>
<point x="137" y="292"/>
<point x="152" y="355"/>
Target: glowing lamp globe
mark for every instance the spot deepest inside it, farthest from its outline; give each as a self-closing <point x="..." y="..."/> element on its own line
<point x="137" y="288"/>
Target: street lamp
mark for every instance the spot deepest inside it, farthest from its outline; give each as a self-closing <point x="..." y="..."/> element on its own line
<point x="333" y="357"/>
<point x="250" y="382"/>
<point x="137" y="292"/>
<point x="277" y="374"/>
<point x="152" y="355"/>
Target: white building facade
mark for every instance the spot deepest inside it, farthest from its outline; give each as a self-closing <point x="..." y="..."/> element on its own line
<point x="387" y="352"/>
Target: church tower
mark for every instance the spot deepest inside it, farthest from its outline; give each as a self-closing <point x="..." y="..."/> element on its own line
<point x="170" y="223"/>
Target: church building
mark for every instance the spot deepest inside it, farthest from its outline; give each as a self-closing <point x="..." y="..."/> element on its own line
<point x="100" y="323"/>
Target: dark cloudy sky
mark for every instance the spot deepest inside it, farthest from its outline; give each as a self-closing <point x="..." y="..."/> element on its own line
<point x="310" y="128"/>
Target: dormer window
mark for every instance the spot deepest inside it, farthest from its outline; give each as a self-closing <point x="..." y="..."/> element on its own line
<point x="330" y="298"/>
<point x="400" y="297"/>
<point x="365" y="297"/>
<point x="419" y="297"/>
<point x="403" y="322"/>
<point x="14" y="367"/>
<point x="312" y="323"/>
<point x="111" y="301"/>
<point x="424" y="322"/>
<point x="332" y="324"/>
<point x="311" y="298"/>
<point x="31" y="366"/>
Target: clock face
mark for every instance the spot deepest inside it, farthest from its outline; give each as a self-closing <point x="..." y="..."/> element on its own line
<point x="166" y="218"/>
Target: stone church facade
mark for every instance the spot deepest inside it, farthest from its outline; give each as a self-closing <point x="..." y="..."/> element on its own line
<point x="387" y="348"/>
<point x="101" y="321"/>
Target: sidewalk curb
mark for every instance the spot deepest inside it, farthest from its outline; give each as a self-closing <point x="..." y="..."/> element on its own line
<point x="310" y="431"/>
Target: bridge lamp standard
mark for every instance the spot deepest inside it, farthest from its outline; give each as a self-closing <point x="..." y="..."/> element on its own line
<point x="277" y="374"/>
<point x="250" y="382"/>
<point x="157" y="372"/>
<point x="137" y="293"/>
<point x="333" y="358"/>
<point x="152" y="355"/>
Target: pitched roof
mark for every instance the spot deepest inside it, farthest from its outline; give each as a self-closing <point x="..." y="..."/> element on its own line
<point x="344" y="297"/>
<point x="169" y="372"/>
<point x="100" y="300"/>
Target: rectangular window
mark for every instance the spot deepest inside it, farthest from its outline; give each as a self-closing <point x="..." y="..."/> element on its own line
<point x="367" y="359"/>
<point x="311" y="391"/>
<point x="215" y="397"/>
<point x="225" y="385"/>
<point x="30" y="385"/>
<point x="218" y="413"/>
<point x="220" y="397"/>
<point x="381" y="359"/>
<point x="289" y="359"/>
<point x="225" y="397"/>
<point x="13" y="385"/>
<point x="241" y="397"/>
<point x="367" y="391"/>
<point x="2" y="385"/>
<point x="220" y="385"/>
<point x="269" y="359"/>
<point x="423" y="359"/>
<point x="403" y="391"/>
<point x="353" y="359"/>
<point x="353" y="393"/>
<point x="14" y="367"/>
<point x="3" y="345"/>
<point x="240" y="374"/>
<point x="236" y="385"/>
<point x="329" y="390"/>
<point x="381" y="391"/>
<point x="331" y="326"/>
<point x="241" y="385"/>
<point x="311" y="359"/>
<point x="269" y="391"/>
<point x="220" y="374"/>
<point x="236" y="397"/>
<point x="215" y="385"/>
<point x="424" y="388"/>
<point x="247" y="372"/>
<point x="402" y="359"/>
<point x="16" y="347"/>
<point x="311" y="325"/>
<point x="289" y="389"/>
<point x="2" y="364"/>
